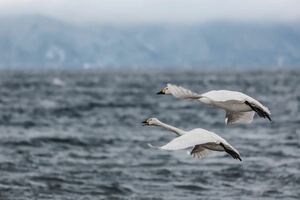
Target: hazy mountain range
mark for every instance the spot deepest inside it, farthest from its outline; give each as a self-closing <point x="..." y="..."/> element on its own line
<point x="38" y="41"/>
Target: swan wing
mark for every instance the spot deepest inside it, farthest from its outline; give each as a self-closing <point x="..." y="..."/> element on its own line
<point x="231" y="151"/>
<point x="225" y="95"/>
<point x="234" y="96"/>
<point x="181" y="92"/>
<point x="203" y="142"/>
<point x="199" y="151"/>
<point x="191" y="139"/>
<point x="239" y="117"/>
<point x="261" y="110"/>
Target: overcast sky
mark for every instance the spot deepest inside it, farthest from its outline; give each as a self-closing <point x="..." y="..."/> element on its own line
<point x="170" y="11"/>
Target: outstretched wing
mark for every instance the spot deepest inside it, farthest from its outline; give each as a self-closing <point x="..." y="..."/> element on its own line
<point x="182" y="93"/>
<point x="203" y="141"/>
<point x="191" y="139"/>
<point x="227" y="95"/>
<point x="231" y="151"/>
<point x="239" y="117"/>
<point x="261" y="110"/>
<point x="199" y="151"/>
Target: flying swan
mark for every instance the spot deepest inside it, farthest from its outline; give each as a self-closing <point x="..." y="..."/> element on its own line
<point x="239" y="107"/>
<point x="202" y="141"/>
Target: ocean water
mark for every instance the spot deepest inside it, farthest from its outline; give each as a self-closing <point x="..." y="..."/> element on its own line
<point x="78" y="135"/>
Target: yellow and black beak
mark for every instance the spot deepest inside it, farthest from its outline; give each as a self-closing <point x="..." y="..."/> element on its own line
<point x="145" y="122"/>
<point x="161" y="92"/>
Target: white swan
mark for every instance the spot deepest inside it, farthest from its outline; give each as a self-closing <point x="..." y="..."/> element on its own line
<point x="202" y="141"/>
<point x="239" y="107"/>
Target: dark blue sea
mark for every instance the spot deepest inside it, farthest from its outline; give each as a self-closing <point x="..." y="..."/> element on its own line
<point x="68" y="135"/>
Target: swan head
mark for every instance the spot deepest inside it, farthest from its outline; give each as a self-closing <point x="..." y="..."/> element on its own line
<point x="150" y="121"/>
<point x="164" y="90"/>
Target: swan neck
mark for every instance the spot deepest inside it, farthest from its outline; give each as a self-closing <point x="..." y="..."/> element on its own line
<point x="178" y="131"/>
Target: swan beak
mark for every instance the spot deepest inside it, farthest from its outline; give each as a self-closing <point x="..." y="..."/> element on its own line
<point x="160" y="92"/>
<point x="145" y="122"/>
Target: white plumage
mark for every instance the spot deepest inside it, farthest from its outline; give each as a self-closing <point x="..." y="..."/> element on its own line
<point x="239" y="117"/>
<point x="201" y="140"/>
<point x="239" y="107"/>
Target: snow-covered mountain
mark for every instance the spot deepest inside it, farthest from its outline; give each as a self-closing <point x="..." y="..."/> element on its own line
<point x="38" y="41"/>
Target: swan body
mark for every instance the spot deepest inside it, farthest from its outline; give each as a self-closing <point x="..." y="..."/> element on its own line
<point x="239" y="107"/>
<point x="202" y="141"/>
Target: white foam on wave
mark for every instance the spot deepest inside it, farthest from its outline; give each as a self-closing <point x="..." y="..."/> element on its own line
<point x="58" y="82"/>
